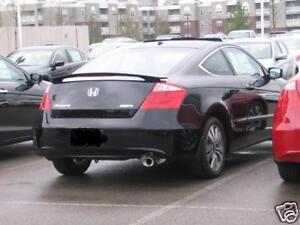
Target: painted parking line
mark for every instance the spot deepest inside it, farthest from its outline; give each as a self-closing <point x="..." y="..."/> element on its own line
<point x="22" y="166"/>
<point x="69" y="204"/>
<point x="184" y="201"/>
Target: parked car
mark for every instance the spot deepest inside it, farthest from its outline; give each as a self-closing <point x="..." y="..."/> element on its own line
<point x="20" y="97"/>
<point x="191" y="100"/>
<point x="241" y="34"/>
<point x="293" y="45"/>
<point x="217" y="35"/>
<point x="118" y="40"/>
<point x="50" y="61"/>
<point x="104" y="48"/>
<point x="109" y="44"/>
<point x="286" y="131"/>
<point x="167" y="36"/>
<point x="271" y="53"/>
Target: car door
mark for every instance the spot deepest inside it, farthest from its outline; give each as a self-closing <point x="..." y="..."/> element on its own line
<point x="61" y="55"/>
<point x="261" y="96"/>
<point x="77" y="58"/>
<point x="19" y="102"/>
<point x="224" y="87"/>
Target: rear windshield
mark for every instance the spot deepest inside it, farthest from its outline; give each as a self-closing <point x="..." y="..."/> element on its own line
<point x="260" y="50"/>
<point x="32" y="57"/>
<point x="144" y="61"/>
<point x="239" y="34"/>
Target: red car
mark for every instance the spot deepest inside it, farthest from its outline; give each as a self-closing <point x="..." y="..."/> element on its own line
<point x="286" y="132"/>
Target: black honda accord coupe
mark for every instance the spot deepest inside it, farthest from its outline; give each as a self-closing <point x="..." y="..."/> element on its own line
<point x="191" y="100"/>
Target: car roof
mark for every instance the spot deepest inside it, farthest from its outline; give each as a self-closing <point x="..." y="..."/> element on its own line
<point x="236" y="31"/>
<point x="44" y="47"/>
<point x="198" y="44"/>
<point x="250" y="40"/>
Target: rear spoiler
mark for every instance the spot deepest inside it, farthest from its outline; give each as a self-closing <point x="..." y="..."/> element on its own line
<point x="147" y="78"/>
<point x="213" y="39"/>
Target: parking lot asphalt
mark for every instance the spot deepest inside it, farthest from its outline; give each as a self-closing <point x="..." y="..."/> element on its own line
<point x="120" y="193"/>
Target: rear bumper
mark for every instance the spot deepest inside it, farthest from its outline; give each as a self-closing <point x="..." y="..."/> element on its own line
<point x="119" y="144"/>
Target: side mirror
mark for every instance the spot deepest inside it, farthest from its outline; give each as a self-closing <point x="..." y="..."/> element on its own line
<point x="57" y="64"/>
<point x="275" y="73"/>
<point x="281" y="57"/>
<point x="35" y="78"/>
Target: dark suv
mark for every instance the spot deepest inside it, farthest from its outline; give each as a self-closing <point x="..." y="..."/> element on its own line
<point x="51" y="60"/>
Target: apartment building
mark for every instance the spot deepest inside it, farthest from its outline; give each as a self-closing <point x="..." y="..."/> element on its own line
<point x="147" y="17"/>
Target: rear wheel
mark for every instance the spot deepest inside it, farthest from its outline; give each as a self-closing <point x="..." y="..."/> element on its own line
<point x="289" y="172"/>
<point x="210" y="157"/>
<point x="71" y="167"/>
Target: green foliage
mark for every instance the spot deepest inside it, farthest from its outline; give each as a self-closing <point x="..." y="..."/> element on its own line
<point x="94" y="31"/>
<point x="239" y="20"/>
<point x="129" y="28"/>
<point x="161" y="27"/>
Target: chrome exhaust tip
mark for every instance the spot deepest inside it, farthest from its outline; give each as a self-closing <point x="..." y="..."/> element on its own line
<point x="148" y="160"/>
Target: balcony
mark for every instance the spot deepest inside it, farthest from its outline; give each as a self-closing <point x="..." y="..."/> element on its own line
<point x="293" y="10"/>
<point x="103" y="17"/>
<point x="266" y="12"/>
<point x="266" y="24"/>
<point x="104" y="30"/>
<point x="32" y="19"/>
<point x="293" y="22"/>
<point x="148" y="18"/>
<point x="175" y="30"/>
<point x="148" y="30"/>
<point x="174" y="18"/>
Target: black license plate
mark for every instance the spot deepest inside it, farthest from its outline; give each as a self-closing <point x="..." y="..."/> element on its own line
<point x="86" y="137"/>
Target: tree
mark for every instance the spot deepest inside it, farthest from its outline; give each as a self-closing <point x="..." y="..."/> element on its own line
<point x="238" y="20"/>
<point x="94" y="31"/>
<point x="129" y="28"/>
<point x="161" y="26"/>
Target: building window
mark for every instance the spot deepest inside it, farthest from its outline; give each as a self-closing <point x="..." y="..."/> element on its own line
<point x="93" y="11"/>
<point x="64" y="13"/>
<point x="173" y="12"/>
<point x="103" y="11"/>
<point x="219" y="9"/>
<point x="82" y="12"/>
<point x="246" y="7"/>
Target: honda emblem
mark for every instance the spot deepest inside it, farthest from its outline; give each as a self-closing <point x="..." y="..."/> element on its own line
<point x="93" y="92"/>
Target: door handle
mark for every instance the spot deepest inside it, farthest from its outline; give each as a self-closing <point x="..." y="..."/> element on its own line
<point x="2" y="91"/>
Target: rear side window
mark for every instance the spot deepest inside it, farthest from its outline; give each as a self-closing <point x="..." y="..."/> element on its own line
<point x="217" y="64"/>
<point x="75" y="55"/>
<point x="61" y="56"/>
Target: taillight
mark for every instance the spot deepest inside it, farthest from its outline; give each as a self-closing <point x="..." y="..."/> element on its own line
<point x="298" y="58"/>
<point x="46" y="100"/>
<point x="164" y="96"/>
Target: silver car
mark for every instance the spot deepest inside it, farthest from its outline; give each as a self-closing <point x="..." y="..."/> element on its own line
<point x="270" y="53"/>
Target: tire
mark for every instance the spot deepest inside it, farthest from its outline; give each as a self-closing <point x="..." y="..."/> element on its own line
<point x="210" y="156"/>
<point x="71" y="167"/>
<point x="289" y="172"/>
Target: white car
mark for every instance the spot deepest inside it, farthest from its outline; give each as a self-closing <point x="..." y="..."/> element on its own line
<point x="293" y="45"/>
<point x="236" y="34"/>
<point x="270" y="52"/>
